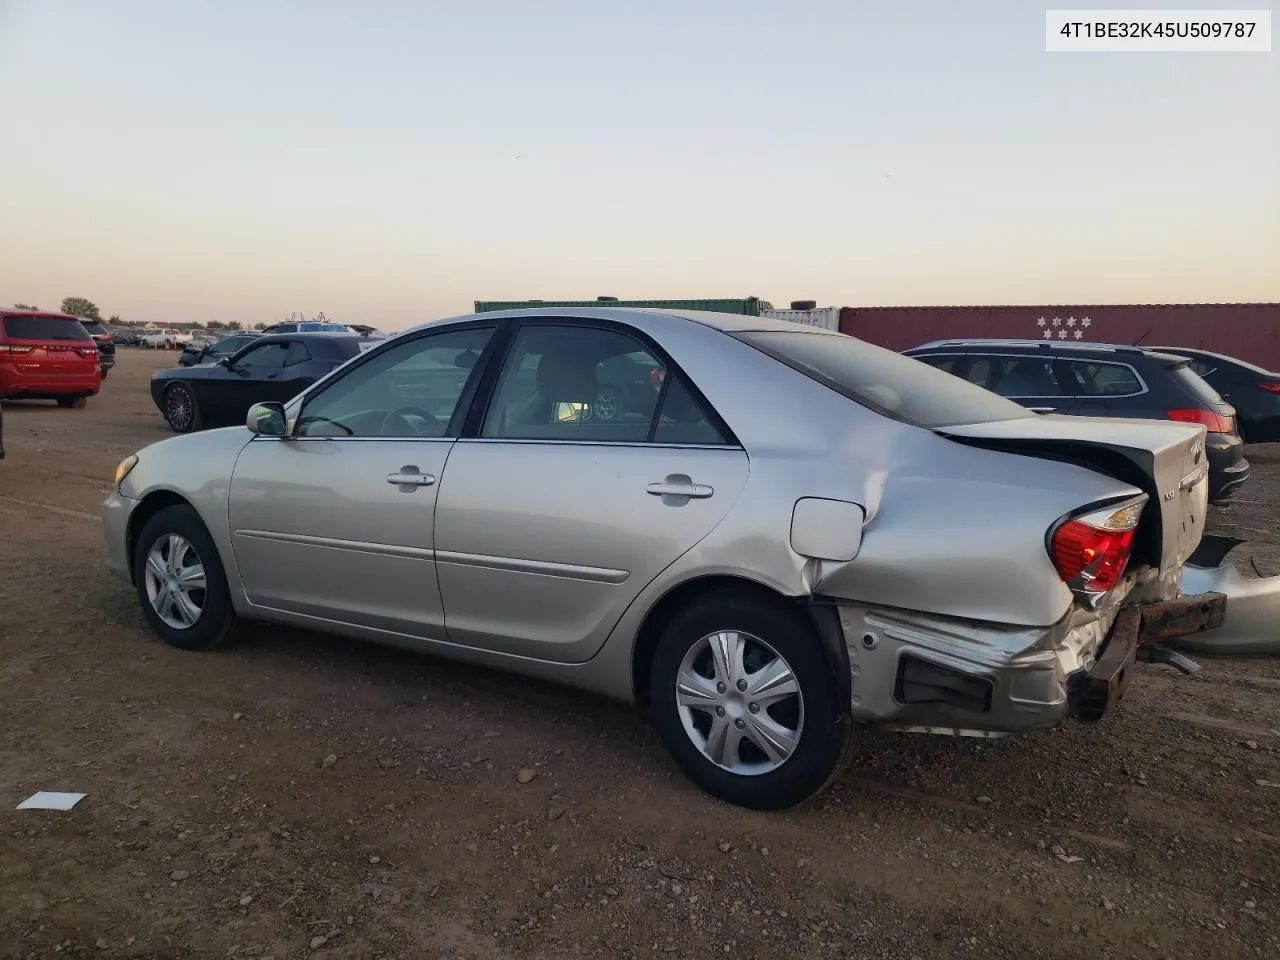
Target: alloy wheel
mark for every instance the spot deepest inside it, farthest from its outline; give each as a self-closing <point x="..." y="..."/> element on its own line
<point x="740" y="703"/>
<point x="175" y="581"/>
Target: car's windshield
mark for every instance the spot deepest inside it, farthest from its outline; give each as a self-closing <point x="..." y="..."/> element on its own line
<point x="890" y="383"/>
<point x="44" y="328"/>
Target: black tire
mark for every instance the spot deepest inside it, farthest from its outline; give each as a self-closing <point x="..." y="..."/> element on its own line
<point x="181" y="411"/>
<point x="217" y="619"/>
<point x="826" y="737"/>
<point x="105" y="371"/>
<point x="67" y="403"/>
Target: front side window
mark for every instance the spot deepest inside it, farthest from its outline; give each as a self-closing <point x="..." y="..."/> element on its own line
<point x="410" y="390"/>
<point x="1015" y="376"/>
<point x="298" y="353"/>
<point x="591" y="385"/>
<point x="939" y="362"/>
<point x="269" y="356"/>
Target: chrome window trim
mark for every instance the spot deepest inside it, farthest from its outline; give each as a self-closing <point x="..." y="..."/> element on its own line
<point x="979" y="354"/>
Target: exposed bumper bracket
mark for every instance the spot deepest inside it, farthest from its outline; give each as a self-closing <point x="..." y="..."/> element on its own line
<point x="1186" y="615"/>
<point x="1105" y="683"/>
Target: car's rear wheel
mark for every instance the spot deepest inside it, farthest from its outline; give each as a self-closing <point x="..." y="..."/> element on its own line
<point x="180" y="581"/>
<point x="77" y="403"/>
<point x="608" y="404"/>
<point x="747" y="703"/>
<point x="180" y="408"/>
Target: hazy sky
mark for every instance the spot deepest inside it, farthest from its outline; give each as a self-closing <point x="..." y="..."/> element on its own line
<point x="388" y="162"/>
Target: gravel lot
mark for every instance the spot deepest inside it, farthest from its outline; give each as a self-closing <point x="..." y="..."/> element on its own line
<point x="295" y="795"/>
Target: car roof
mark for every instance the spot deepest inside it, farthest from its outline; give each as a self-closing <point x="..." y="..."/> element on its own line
<point x="1048" y="346"/>
<point x="640" y="317"/>
<point x="56" y="314"/>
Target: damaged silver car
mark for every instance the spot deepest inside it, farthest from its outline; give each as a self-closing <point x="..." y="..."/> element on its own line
<point x="769" y="534"/>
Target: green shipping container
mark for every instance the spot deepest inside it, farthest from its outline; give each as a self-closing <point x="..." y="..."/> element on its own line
<point x="749" y="306"/>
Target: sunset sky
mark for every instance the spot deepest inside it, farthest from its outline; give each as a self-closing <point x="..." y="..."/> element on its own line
<point x="391" y="162"/>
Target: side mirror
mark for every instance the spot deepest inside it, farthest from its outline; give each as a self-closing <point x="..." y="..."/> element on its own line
<point x="224" y="362"/>
<point x="267" y="419"/>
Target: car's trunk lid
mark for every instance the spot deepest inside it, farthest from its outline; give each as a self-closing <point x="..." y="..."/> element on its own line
<point x="1164" y="459"/>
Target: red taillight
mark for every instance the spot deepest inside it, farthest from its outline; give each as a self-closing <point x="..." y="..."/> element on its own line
<point x="1270" y="387"/>
<point x="89" y="353"/>
<point x="1091" y="552"/>
<point x="14" y="349"/>
<point x="1213" y="422"/>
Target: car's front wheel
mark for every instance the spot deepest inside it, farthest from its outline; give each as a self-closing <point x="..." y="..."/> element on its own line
<point x="747" y="703"/>
<point x="180" y="581"/>
<point x="180" y="408"/>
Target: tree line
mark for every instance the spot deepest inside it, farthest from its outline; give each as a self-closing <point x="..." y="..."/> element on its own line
<point x="82" y="307"/>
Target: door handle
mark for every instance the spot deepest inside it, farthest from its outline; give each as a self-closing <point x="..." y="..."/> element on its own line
<point x="410" y="477"/>
<point x="680" y="488"/>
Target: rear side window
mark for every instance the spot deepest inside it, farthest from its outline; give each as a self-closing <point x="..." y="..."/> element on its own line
<point x="1101" y="379"/>
<point x="44" y="328"/>
<point x="890" y="383"/>
<point x="1195" y="385"/>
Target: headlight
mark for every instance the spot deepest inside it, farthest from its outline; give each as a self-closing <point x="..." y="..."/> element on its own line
<point x="127" y="464"/>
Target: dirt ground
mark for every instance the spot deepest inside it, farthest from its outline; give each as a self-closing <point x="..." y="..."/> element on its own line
<point x="296" y="795"/>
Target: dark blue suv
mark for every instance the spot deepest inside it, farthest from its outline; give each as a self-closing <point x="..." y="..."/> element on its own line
<point x="1101" y="380"/>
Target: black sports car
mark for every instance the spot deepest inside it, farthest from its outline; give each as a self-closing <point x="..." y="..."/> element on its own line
<point x="275" y="367"/>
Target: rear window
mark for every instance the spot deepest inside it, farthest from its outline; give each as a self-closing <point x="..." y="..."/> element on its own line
<point x="96" y="329"/>
<point x="890" y="383"/>
<point x="44" y="328"/>
<point x="1195" y="385"/>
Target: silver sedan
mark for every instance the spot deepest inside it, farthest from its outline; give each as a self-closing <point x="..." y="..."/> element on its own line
<point x="770" y="534"/>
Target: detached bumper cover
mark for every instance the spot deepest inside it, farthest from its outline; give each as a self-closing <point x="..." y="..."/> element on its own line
<point x="1251" y="624"/>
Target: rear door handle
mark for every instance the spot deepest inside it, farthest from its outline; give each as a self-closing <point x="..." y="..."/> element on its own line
<point x="697" y="491"/>
<point x="410" y="477"/>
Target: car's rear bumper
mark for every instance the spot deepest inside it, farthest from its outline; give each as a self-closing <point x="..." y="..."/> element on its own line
<point x="16" y="384"/>
<point x="922" y="673"/>
<point x="1252" y="621"/>
<point x="1228" y="468"/>
<point x="116" y="510"/>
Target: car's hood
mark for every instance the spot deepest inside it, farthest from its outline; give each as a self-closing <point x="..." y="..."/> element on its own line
<point x="1163" y="458"/>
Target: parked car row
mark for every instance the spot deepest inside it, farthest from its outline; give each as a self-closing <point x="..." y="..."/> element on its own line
<point x="1102" y="380"/>
<point x="778" y="535"/>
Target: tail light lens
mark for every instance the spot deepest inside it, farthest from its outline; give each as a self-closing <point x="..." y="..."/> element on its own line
<point x="89" y="353"/>
<point x="1213" y="422"/>
<point x="1091" y="552"/>
<point x="1270" y="387"/>
<point x="9" y="349"/>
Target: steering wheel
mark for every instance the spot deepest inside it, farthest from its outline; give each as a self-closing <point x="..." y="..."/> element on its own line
<point x="399" y="414"/>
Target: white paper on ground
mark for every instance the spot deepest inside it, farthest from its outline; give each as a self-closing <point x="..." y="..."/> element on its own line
<point x="45" y="800"/>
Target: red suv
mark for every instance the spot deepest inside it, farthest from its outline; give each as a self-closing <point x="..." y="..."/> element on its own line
<point x="47" y="356"/>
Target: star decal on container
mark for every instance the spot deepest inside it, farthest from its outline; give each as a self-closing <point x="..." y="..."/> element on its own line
<point x="1062" y="334"/>
<point x="1071" y="321"/>
<point x="1085" y="322"/>
<point x="1079" y="334"/>
<point x="1057" y="321"/>
<point x="1040" y="322"/>
<point x="1048" y="334"/>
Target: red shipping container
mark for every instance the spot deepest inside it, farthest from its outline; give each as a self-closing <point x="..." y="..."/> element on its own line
<point x="1248" y="331"/>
